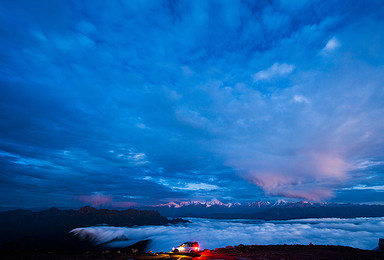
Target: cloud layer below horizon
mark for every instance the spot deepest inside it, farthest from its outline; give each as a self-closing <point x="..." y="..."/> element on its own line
<point x="360" y="233"/>
<point x="152" y="101"/>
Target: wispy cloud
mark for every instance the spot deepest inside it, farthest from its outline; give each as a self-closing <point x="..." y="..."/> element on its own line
<point x="276" y="70"/>
<point x="365" y="187"/>
<point x="196" y="186"/>
<point x="332" y="44"/>
<point x="300" y="99"/>
<point x="177" y="184"/>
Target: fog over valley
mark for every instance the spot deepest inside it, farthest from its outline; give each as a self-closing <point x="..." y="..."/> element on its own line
<point x="358" y="232"/>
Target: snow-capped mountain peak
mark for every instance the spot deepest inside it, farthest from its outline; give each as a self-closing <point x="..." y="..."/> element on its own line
<point x="258" y="204"/>
<point x="280" y="203"/>
<point x="214" y="202"/>
<point x="207" y="204"/>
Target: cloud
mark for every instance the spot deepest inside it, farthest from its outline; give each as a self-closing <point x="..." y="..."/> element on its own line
<point x="369" y="164"/>
<point x="276" y="70"/>
<point x="27" y="161"/>
<point x="197" y="186"/>
<point x="332" y="44"/>
<point x="130" y="156"/>
<point x="300" y="99"/>
<point x="96" y="200"/>
<point x="360" y="233"/>
<point x="365" y="187"/>
<point x="180" y="184"/>
<point x="306" y="176"/>
<point x="100" y="200"/>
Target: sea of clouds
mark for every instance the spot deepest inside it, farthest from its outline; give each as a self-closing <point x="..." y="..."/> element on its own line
<point x="361" y="233"/>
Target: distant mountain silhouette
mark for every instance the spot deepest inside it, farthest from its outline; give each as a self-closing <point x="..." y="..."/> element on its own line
<point x="324" y="211"/>
<point x="267" y="210"/>
<point x="39" y="228"/>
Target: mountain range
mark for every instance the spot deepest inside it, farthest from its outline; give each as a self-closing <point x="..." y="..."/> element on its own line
<point x="266" y="210"/>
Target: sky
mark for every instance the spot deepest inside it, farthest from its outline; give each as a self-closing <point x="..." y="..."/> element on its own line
<point x="129" y="103"/>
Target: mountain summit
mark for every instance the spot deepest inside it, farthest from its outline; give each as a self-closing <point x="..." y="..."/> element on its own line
<point x="207" y="204"/>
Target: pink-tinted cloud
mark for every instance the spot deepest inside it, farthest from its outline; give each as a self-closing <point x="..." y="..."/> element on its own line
<point x="101" y="200"/>
<point x="124" y="204"/>
<point x="308" y="175"/>
<point x="96" y="200"/>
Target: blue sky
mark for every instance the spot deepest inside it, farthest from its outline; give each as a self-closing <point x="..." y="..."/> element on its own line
<point x="120" y="103"/>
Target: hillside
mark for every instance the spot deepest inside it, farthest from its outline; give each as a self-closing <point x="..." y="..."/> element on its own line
<point x="31" y="226"/>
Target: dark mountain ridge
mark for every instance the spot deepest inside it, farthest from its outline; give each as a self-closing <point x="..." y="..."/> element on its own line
<point x="21" y="224"/>
<point x="287" y="213"/>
